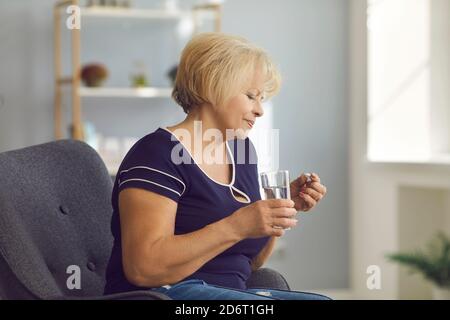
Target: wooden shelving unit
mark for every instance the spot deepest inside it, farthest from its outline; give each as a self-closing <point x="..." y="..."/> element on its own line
<point x="148" y="92"/>
<point x="197" y="14"/>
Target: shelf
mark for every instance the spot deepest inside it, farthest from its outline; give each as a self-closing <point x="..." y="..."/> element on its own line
<point x="148" y="92"/>
<point x="194" y="18"/>
<point x="160" y="14"/>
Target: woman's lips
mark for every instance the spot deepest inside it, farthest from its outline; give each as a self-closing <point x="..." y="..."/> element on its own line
<point x="250" y="123"/>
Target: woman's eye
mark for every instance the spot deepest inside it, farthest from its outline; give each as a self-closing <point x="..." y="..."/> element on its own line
<point x="250" y="97"/>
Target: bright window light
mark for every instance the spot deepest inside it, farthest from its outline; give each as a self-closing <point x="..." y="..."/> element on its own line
<point x="399" y="80"/>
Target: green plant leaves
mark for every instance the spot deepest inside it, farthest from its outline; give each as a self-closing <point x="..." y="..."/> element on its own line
<point x="433" y="263"/>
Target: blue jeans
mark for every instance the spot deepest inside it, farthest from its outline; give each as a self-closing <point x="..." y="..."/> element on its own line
<point x="196" y="289"/>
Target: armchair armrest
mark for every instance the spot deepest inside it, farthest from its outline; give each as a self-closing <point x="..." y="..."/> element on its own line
<point x="267" y="278"/>
<point x="131" y="295"/>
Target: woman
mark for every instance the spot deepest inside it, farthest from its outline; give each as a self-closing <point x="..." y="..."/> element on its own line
<point x="193" y="225"/>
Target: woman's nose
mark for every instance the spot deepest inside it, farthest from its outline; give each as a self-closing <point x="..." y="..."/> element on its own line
<point x="259" y="111"/>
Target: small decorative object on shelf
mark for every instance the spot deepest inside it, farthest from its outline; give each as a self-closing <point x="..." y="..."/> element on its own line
<point x="109" y="3"/>
<point x="94" y="74"/>
<point x="138" y="78"/>
<point x="172" y="74"/>
<point x="139" y="81"/>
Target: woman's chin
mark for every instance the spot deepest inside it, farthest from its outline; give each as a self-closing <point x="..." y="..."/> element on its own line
<point x="243" y="133"/>
<point x="238" y="133"/>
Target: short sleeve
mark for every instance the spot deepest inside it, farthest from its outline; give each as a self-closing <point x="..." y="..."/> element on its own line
<point x="148" y="166"/>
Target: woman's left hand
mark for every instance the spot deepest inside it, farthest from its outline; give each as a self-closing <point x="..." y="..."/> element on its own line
<point x="307" y="194"/>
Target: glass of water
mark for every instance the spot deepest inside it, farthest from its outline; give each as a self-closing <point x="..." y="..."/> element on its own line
<point x="275" y="185"/>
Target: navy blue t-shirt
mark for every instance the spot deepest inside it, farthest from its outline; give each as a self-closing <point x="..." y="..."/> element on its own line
<point x="153" y="163"/>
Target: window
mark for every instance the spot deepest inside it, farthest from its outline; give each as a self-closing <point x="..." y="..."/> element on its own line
<point x="408" y="46"/>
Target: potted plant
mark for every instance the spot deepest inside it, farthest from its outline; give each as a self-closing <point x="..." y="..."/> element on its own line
<point x="433" y="264"/>
<point x="94" y="74"/>
<point x="138" y="78"/>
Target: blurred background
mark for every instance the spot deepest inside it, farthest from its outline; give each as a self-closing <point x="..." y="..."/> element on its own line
<point x="365" y="103"/>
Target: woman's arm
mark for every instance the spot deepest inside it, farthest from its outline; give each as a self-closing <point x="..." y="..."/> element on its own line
<point x="264" y="254"/>
<point x="152" y="254"/>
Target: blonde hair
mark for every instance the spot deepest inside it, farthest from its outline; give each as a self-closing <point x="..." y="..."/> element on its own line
<point x="215" y="66"/>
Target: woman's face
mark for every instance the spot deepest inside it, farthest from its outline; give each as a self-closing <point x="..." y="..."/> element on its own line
<point x="242" y="110"/>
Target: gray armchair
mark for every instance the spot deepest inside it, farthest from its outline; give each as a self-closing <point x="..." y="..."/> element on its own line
<point x="53" y="217"/>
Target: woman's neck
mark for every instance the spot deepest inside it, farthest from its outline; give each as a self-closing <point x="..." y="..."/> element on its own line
<point x="197" y="123"/>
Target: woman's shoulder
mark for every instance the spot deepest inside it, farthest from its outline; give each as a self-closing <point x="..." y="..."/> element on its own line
<point x="155" y="146"/>
<point x="149" y="165"/>
<point x="157" y="140"/>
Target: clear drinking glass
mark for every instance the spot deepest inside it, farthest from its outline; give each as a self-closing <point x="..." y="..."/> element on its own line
<point x="275" y="185"/>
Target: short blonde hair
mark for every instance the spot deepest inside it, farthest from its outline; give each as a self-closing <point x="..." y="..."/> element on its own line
<point x="215" y="66"/>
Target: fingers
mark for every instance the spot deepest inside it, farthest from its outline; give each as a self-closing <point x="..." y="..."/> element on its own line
<point x="315" y="177"/>
<point x="278" y="203"/>
<point x="277" y="232"/>
<point x="318" y="187"/>
<point x="284" y="222"/>
<point x="317" y="196"/>
<point x="304" y="178"/>
<point x="309" y="201"/>
<point x="284" y="212"/>
<point x="315" y="190"/>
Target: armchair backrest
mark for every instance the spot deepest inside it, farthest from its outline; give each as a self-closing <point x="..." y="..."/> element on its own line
<point x="55" y="213"/>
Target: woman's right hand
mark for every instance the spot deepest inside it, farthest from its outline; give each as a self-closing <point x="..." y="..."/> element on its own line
<point x="264" y="218"/>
